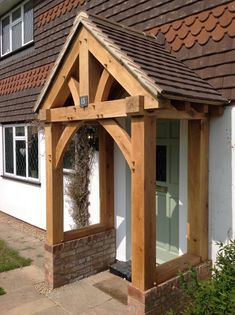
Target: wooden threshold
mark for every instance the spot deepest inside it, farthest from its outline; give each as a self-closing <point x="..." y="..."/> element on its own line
<point x="86" y="231"/>
<point x="171" y="268"/>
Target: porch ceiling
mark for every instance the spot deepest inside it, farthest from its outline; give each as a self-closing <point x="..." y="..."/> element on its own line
<point x="160" y="73"/>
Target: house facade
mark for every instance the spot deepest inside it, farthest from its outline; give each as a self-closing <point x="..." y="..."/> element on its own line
<point x="181" y="82"/>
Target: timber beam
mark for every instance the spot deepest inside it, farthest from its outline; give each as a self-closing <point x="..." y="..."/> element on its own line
<point x="98" y="110"/>
<point x="129" y="106"/>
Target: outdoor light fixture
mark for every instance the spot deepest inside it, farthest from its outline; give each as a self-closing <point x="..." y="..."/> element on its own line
<point x="92" y="137"/>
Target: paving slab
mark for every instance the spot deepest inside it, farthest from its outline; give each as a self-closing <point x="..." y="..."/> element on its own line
<point x="27" y="293"/>
<point x="56" y="310"/>
<point x="20" y="278"/>
<point x="114" y="286"/>
<point x="29" y="308"/>
<point x="18" y="298"/>
<point x="78" y="297"/>
<point x="104" y="275"/>
<point x="111" y="307"/>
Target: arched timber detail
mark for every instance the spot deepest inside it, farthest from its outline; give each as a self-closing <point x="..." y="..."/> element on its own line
<point x="65" y="137"/>
<point x="120" y="137"/>
<point x="104" y="86"/>
<point x="73" y="85"/>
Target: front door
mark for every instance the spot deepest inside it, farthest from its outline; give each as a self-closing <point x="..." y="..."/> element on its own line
<point x="167" y="190"/>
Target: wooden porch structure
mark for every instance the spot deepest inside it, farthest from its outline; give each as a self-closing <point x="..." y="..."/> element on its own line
<point x="88" y="71"/>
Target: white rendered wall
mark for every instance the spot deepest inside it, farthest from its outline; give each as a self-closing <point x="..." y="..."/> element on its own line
<point x="122" y="209"/>
<point x="27" y="202"/>
<point x="221" y="179"/>
<point x="122" y="203"/>
<point x="24" y="201"/>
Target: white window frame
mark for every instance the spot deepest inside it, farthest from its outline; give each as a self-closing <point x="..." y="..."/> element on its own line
<point x="17" y="138"/>
<point x="11" y="24"/>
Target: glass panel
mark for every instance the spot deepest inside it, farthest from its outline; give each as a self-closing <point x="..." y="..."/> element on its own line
<point x="28" y="22"/>
<point x="32" y="152"/>
<point x="9" y="164"/>
<point x="69" y="156"/>
<point x="6" y="35"/>
<point x="21" y="158"/>
<point x="20" y="131"/>
<point x="17" y="36"/>
<point x="16" y="14"/>
<point x="161" y="163"/>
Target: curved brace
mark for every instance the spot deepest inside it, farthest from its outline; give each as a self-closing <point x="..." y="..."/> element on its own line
<point x="120" y="136"/>
<point x="73" y="85"/>
<point x="65" y="137"/>
<point x="104" y="86"/>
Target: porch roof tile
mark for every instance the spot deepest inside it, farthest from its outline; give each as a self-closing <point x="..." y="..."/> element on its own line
<point x="161" y="73"/>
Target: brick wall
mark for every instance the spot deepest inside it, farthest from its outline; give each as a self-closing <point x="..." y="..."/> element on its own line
<point x="79" y="258"/>
<point x="160" y="299"/>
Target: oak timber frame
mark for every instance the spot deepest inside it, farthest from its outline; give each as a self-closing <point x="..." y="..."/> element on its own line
<point x="95" y="79"/>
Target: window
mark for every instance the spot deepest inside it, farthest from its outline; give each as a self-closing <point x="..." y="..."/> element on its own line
<point x="85" y="136"/>
<point x="17" y="28"/>
<point x="21" y="151"/>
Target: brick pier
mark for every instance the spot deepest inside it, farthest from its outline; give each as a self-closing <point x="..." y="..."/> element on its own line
<point x="79" y="258"/>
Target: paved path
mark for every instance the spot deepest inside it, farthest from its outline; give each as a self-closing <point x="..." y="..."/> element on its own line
<point x="101" y="294"/>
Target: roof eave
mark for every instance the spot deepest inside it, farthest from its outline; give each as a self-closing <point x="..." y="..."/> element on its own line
<point x="207" y="101"/>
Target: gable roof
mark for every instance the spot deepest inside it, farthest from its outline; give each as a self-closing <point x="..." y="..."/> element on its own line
<point x="156" y="69"/>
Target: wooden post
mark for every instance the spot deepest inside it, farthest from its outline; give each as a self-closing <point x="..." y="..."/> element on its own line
<point x="198" y="188"/>
<point x="83" y="65"/>
<point x="106" y="171"/>
<point x="54" y="186"/>
<point x="143" y="221"/>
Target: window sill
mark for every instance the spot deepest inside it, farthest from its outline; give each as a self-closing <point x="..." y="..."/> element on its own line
<point x="12" y="53"/>
<point x="25" y="181"/>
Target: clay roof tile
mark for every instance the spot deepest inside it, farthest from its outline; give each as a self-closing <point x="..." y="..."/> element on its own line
<point x="189" y="40"/>
<point x="190" y="20"/>
<point x="226" y="18"/>
<point x="203" y="37"/>
<point x="210" y="23"/>
<point x="231" y="29"/>
<point x="171" y="35"/>
<point x="165" y="28"/>
<point x="196" y="27"/>
<point x="177" y="44"/>
<point x="218" y="33"/>
<point x="218" y="11"/>
<point x="183" y="31"/>
<point x="231" y="6"/>
<point x="203" y="16"/>
<point x="177" y="24"/>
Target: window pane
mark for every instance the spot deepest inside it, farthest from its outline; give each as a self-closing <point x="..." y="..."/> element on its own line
<point x="69" y="156"/>
<point x="161" y="163"/>
<point x="21" y="158"/>
<point x="32" y="152"/>
<point x="20" y="131"/>
<point x="28" y="22"/>
<point x="16" y="14"/>
<point x="6" y="35"/>
<point x="9" y="165"/>
<point x="17" y="36"/>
